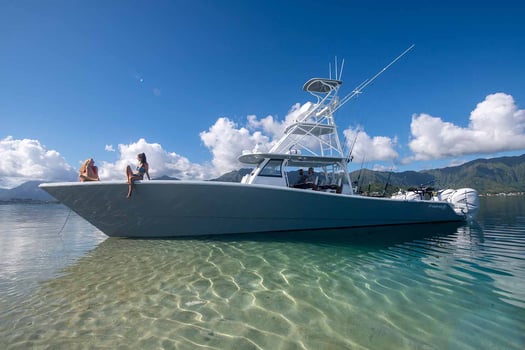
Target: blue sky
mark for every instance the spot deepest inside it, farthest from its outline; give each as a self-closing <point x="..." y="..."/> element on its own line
<point x="193" y="83"/>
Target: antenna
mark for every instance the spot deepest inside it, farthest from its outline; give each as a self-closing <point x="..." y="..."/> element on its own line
<point x="341" y="72"/>
<point x="335" y="67"/>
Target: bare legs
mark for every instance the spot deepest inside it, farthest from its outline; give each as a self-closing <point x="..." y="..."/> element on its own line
<point x="131" y="177"/>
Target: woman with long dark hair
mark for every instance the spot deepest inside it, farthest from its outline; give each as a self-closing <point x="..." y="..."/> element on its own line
<point x="142" y="168"/>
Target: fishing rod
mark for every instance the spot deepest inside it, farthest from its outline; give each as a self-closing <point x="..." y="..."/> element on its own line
<point x="359" y="175"/>
<point x="387" y="182"/>
<point x="350" y="157"/>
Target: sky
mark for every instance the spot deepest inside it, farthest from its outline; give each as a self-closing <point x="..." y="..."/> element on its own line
<point x="193" y="83"/>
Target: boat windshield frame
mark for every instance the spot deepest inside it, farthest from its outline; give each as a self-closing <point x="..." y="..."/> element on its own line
<point x="272" y="168"/>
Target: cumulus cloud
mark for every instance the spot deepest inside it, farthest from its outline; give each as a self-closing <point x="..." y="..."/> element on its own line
<point x="226" y="140"/>
<point x="363" y="146"/>
<point x="496" y="125"/>
<point x="109" y="148"/>
<point x="25" y="160"/>
<point x="162" y="163"/>
<point x="275" y="128"/>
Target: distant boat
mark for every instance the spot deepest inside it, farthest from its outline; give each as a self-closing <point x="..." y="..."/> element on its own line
<point x="268" y="199"/>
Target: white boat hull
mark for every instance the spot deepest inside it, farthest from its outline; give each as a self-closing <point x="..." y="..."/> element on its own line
<point x="189" y="208"/>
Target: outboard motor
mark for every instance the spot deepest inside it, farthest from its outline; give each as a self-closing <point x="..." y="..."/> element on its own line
<point x="465" y="201"/>
<point x="408" y="196"/>
<point x="444" y="195"/>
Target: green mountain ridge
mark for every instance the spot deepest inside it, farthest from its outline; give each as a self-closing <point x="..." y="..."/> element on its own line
<point x="490" y="176"/>
<point x="505" y="174"/>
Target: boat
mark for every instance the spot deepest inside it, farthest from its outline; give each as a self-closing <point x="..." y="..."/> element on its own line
<point x="269" y="198"/>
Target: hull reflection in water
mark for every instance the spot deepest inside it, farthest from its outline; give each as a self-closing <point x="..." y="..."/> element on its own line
<point x="373" y="236"/>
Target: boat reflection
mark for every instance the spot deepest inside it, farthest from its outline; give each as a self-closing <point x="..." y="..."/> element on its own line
<point x="381" y="236"/>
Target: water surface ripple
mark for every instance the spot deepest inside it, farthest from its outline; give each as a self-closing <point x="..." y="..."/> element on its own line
<point x="415" y="287"/>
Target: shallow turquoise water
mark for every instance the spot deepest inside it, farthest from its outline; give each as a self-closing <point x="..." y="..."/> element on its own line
<point x="64" y="285"/>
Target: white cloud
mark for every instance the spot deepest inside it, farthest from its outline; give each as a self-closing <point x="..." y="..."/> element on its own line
<point x="496" y="125"/>
<point x="363" y="146"/>
<point x="109" y="148"/>
<point x="161" y="163"/>
<point x="226" y="140"/>
<point x="275" y="128"/>
<point x="381" y="167"/>
<point x="25" y="160"/>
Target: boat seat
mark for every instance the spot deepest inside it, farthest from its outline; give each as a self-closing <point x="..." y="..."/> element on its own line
<point x="308" y="185"/>
<point x="333" y="187"/>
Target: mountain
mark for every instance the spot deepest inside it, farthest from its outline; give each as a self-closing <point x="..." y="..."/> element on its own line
<point x="233" y="176"/>
<point x="28" y="191"/>
<point x="165" y="177"/>
<point x="496" y="175"/>
<point x="504" y="174"/>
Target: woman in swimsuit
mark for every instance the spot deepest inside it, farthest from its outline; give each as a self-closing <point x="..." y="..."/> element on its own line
<point x="88" y="171"/>
<point x="142" y="168"/>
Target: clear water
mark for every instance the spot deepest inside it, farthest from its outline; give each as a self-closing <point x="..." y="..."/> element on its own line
<point x="64" y="285"/>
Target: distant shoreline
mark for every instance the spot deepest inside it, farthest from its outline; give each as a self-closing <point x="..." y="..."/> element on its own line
<point x="503" y="194"/>
<point x="27" y="201"/>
